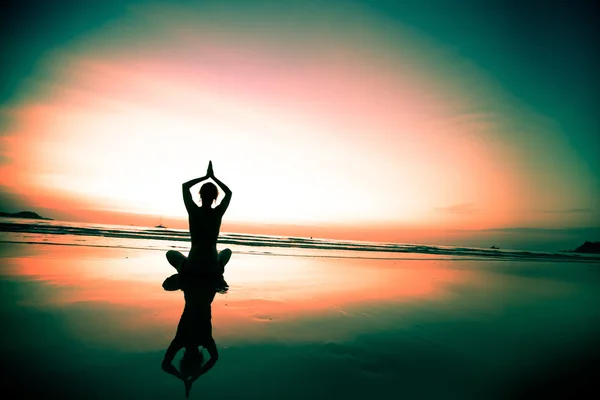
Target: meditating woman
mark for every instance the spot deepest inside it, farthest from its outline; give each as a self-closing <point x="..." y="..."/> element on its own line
<point x="205" y="224"/>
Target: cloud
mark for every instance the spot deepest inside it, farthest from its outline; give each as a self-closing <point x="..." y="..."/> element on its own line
<point x="589" y="233"/>
<point x="462" y="208"/>
<point x="11" y="202"/>
<point x="568" y="211"/>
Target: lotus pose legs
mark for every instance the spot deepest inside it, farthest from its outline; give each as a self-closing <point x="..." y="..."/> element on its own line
<point x="177" y="260"/>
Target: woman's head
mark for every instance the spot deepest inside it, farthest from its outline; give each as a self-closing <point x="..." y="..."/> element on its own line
<point x="191" y="361"/>
<point x="208" y="193"/>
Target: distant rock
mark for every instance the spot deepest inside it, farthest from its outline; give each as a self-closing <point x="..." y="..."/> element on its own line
<point x="24" y="214"/>
<point x="588" y="247"/>
<point x="495" y="248"/>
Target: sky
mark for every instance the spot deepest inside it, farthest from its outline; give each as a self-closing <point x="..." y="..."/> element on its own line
<point x="321" y="116"/>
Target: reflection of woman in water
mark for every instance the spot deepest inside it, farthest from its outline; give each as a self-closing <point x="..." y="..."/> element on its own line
<point x="200" y="276"/>
<point x="205" y="223"/>
<point x="194" y="329"/>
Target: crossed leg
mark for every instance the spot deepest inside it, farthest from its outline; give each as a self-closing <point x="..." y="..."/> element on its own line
<point x="224" y="256"/>
<point x="176" y="259"/>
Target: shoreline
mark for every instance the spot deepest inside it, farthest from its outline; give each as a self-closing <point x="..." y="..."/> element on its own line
<point x="232" y="238"/>
<point x="539" y="257"/>
<point x="277" y="246"/>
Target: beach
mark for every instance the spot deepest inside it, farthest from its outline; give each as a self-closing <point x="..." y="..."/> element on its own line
<point x="404" y="193"/>
<point x="94" y="322"/>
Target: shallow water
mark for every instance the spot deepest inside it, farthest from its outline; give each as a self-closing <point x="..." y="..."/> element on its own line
<point x="95" y="322"/>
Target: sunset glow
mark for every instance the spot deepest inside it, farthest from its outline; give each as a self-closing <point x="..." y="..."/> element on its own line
<point x="408" y="200"/>
<point x="328" y="118"/>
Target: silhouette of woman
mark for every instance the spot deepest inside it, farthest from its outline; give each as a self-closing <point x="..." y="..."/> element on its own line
<point x="194" y="329"/>
<point x="204" y="223"/>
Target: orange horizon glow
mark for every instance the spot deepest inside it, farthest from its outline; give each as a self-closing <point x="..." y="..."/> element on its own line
<point x="292" y="290"/>
<point x="309" y="128"/>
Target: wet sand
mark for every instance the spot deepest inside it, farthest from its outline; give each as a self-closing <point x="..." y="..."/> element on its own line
<point x="83" y="322"/>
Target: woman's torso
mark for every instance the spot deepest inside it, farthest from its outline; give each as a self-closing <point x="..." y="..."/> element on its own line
<point x="195" y="326"/>
<point x="204" y="231"/>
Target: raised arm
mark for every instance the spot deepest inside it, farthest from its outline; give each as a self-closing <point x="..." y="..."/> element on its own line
<point x="167" y="364"/>
<point x="187" y="196"/>
<point x="222" y="207"/>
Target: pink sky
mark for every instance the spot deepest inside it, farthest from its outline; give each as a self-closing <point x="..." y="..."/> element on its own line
<point x="327" y="126"/>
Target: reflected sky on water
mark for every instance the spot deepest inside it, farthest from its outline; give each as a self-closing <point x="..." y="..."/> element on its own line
<point x="368" y="320"/>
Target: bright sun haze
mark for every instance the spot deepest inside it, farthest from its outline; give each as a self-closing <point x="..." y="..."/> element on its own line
<point x="313" y="115"/>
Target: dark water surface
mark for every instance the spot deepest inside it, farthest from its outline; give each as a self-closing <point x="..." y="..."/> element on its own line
<point x="94" y="322"/>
